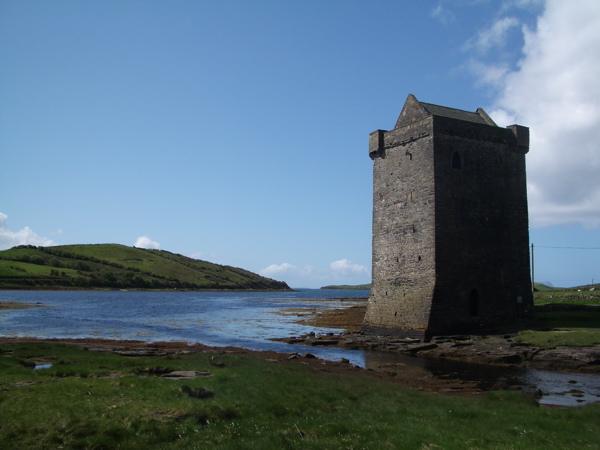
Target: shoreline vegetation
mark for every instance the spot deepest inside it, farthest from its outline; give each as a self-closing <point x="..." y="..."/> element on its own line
<point x="91" y="393"/>
<point x="113" y="266"/>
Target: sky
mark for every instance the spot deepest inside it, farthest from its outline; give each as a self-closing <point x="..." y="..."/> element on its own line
<point x="237" y="132"/>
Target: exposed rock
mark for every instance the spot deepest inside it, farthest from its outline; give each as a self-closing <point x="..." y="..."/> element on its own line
<point x="421" y="348"/>
<point x="493" y="350"/>
<point x="324" y="342"/>
<point x="199" y="392"/>
<point x="185" y="375"/>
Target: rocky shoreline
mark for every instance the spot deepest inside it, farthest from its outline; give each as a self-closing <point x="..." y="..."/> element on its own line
<point x="493" y="351"/>
<point x="490" y="350"/>
<point x="500" y="349"/>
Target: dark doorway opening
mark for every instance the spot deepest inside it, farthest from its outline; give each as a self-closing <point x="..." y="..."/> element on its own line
<point x="456" y="161"/>
<point x="474" y="303"/>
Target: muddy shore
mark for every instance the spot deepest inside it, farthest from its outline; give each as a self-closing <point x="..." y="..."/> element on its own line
<point x="500" y="349"/>
<point x="489" y="350"/>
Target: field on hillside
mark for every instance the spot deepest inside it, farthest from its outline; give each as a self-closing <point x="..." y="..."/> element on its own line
<point x="112" y="266"/>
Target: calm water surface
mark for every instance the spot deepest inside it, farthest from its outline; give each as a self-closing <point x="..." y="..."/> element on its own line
<point x="248" y="320"/>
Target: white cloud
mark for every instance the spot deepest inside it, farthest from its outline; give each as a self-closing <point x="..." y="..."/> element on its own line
<point x="25" y="236"/>
<point x="346" y="268"/>
<point x="492" y="74"/>
<point x="146" y="242"/>
<point x="509" y="4"/>
<point x="494" y="36"/>
<point x="443" y="14"/>
<point x="342" y="271"/>
<point x="287" y="269"/>
<point x="554" y="90"/>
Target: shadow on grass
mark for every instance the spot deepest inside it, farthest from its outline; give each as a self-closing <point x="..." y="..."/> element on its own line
<point x="560" y="316"/>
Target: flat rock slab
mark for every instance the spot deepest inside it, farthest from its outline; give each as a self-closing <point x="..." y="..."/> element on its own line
<point x="185" y="375"/>
<point x="139" y="352"/>
<point x="325" y="342"/>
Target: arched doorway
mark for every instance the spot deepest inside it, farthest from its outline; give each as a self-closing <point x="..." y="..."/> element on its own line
<point x="456" y="161"/>
<point x="474" y="303"/>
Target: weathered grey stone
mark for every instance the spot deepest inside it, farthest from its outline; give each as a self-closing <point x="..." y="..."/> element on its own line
<point x="450" y="224"/>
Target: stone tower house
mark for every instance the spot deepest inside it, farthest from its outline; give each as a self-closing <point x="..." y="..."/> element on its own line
<point x="450" y="223"/>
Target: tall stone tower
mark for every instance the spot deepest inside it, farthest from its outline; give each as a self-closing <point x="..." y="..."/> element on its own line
<point x="450" y="223"/>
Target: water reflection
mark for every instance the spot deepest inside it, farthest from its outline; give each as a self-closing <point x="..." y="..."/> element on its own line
<point x="557" y="388"/>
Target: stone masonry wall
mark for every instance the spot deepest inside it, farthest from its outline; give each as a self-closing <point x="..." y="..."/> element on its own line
<point x="403" y="229"/>
<point x="450" y="227"/>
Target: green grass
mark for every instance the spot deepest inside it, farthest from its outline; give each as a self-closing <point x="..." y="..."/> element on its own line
<point x="79" y="403"/>
<point x="111" y="266"/>
<point x="560" y="337"/>
<point x="562" y="328"/>
<point x="365" y="287"/>
<point x="567" y="325"/>
<point x="580" y="295"/>
<point x="566" y="320"/>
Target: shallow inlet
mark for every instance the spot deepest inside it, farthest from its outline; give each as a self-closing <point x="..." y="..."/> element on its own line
<point x="555" y="388"/>
<point x="250" y="320"/>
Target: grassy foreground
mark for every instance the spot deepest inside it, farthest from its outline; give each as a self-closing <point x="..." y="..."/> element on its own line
<point x="102" y="400"/>
<point x="564" y="326"/>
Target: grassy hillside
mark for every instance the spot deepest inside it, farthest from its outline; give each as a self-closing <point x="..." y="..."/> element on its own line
<point x="112" y="266"/>
<point x="580" y="295"/>
<point x="365" y="287"/>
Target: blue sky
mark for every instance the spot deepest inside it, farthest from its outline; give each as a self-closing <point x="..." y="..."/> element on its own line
<point x="236" y="132"/>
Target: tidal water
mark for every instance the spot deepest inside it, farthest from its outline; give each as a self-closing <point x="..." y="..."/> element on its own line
<point x="248" y="320"/>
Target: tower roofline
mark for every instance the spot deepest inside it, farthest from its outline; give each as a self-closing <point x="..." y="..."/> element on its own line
<point x="415" y="110"/>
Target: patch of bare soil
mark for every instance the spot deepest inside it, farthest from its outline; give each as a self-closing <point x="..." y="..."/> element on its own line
<point x="349" y="319"/>
<point x="19" y="305"/>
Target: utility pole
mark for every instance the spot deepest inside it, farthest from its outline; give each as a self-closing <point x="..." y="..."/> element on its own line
<point x="532" y="273"/>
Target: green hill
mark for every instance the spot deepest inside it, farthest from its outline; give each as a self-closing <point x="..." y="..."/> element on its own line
<point x="365" y="287"/>
<point x="112" y="266"/>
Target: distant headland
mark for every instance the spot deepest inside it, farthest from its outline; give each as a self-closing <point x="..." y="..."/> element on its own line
<point x="114" y="266"/>
<point x="360" y="287"/>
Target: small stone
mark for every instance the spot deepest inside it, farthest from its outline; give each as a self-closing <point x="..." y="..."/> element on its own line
<point x="199" y="392"/>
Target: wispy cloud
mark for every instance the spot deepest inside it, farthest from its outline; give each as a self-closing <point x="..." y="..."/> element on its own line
<point x="25" y="236"/>
<point x="346" y="268"/>
<point x="493" y="37"/>
<point x="342" y="271"/>
<point x="287" y="269"/>
<point x="443" y="14"/>
<point x="146" y="242"/>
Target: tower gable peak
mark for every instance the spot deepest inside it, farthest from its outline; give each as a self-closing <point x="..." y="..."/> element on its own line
<point x="414" y="110"/>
